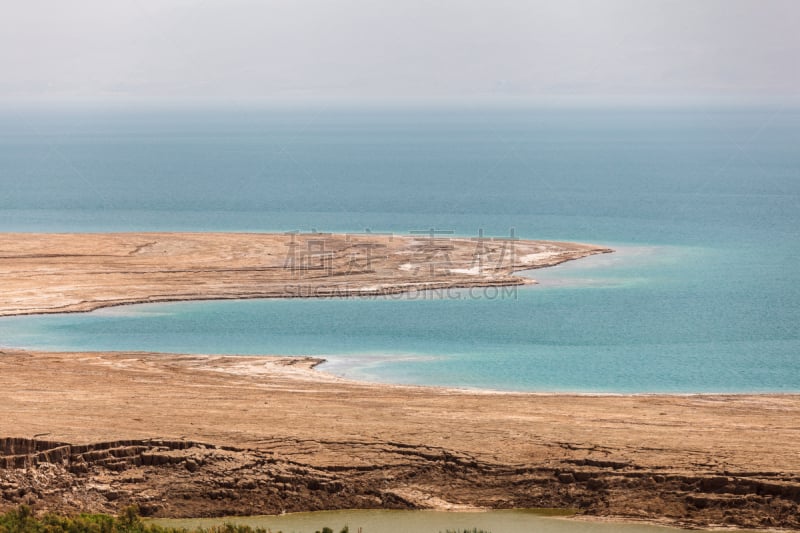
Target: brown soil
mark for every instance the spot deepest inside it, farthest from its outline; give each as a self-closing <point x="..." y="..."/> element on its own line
<point x="54" y="273"/>
<point x="193" y="435"/>
<point x="189" y="436"/>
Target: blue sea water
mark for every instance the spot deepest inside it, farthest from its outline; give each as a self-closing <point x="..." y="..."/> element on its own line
<point x="702" y="207"/>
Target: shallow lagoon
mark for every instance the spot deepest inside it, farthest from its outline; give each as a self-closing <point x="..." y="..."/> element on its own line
<point x="371" y="521"/>
<point x="644" y="319"/>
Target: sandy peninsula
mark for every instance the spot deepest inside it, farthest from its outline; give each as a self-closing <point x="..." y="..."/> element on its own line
<point x="56" y="273"/>
<point x="205" y="435"/>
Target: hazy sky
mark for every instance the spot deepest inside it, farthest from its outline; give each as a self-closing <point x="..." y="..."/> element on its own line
<point x="241" y="51"/>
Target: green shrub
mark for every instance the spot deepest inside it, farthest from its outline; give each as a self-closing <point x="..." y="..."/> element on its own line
<point x="22" y="520"/>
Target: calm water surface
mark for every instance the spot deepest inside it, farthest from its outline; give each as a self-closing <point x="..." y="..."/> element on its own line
<point x="702" y="206"/>
<point x="518" y="521"/>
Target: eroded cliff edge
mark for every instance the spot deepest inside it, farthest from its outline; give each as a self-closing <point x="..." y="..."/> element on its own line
<point x="189" y="435"/>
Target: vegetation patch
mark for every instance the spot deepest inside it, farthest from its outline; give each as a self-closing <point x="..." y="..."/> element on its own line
<point x="22" y="520"/>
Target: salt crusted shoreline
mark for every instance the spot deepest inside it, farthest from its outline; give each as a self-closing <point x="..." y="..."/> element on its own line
<point x="195" y="435"/>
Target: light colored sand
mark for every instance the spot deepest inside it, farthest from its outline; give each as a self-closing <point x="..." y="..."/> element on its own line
<point x="245" y="401"/>
<point x="692" y="459"/>
<point x="46" y="273"/>
<point x="513" y="448"/>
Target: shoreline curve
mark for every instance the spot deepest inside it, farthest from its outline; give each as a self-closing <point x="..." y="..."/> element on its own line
<point x="69" y="273"/>
<point x="194" y="435"/>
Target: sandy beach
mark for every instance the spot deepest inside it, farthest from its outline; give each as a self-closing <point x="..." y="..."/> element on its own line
<point x="205" y="435"/>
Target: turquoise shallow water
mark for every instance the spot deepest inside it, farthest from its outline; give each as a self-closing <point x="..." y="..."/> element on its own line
<point x="703" y="208"/>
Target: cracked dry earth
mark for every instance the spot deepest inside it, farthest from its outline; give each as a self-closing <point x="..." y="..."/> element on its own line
<point x="192" y="436"/>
